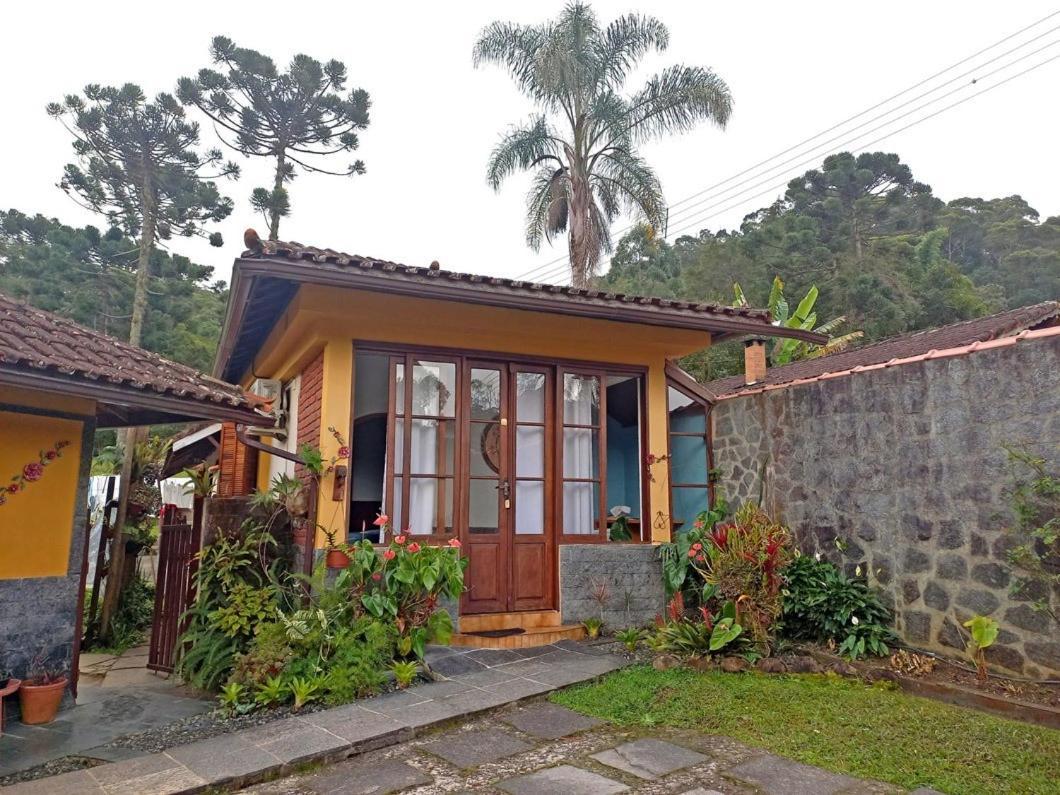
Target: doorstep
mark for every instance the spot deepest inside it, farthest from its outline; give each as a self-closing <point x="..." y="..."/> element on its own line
<point x="477" y="680"/>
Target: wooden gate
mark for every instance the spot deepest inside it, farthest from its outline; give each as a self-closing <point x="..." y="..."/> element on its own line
<point x="174" y="592"/>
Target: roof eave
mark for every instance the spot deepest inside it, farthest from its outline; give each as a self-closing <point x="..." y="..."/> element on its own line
<point x="246" y="269"/>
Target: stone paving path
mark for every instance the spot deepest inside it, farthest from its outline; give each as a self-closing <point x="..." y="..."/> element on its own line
<point x="539" y="748"/>
<point x="475" y="680"/>
<point x="116" y="696"/>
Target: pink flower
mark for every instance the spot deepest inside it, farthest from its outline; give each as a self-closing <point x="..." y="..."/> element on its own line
<point x="376" y="575"/>
<point x="51" y="455"/>
<point x="454" y="543"/>
<point x="32" y="471"/>
<point x="3" y="499"/>
<point x="13" y="488"/>
<point x="414" y="547"/>
<point x="399" y="540"/>
<point x="691" y="553"/>
<point x="697" y="546"/>
<point x="389" y="554"/>
<point x="344" y="452"/>
<point x="381" y="520"/>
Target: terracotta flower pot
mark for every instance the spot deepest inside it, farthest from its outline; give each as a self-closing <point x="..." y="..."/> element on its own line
<point x="337" y="559"/>
<point x="40" y="702"/>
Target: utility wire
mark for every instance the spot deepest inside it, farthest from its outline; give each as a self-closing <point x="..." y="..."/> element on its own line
<point x="698" y="216"/>
<point x="548" y="265"/>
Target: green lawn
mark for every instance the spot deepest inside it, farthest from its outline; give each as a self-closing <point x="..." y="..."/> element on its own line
<point x="838" y="724"/>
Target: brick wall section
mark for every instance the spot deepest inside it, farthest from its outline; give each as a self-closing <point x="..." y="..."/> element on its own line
<point x="906" y="466"/>
<point x="310" y="398"/>
<point x="632" y="574"/>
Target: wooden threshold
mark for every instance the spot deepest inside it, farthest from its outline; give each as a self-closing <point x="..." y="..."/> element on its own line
<point x="532" y="619"/>
<point x="533" y="636"/>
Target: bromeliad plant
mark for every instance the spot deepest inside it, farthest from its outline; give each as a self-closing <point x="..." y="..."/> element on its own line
<point x="406" y="584"/>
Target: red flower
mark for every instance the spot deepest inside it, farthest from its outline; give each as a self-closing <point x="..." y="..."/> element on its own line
<point x="376" y="575"/>
<point x="708" y="619"/>
<point x="697" y="546"/>
<point x="454" y="543"/>
<point x="399" y="540"/>
<point x="389" y="554"/>
<point x="414" y="547"/>
<point x="381" y="520"/>
<point x="51" y="455"/>
<point x="698" y="524"/>
<point x="650" y="457"/>
<point x="344" y="452"/>
<point x="720" y="535"/>
<point x="32" y="471"/>
<point x="3" y="499"/>
<point x="12" y="489"/>
<point x="691" y="553"/>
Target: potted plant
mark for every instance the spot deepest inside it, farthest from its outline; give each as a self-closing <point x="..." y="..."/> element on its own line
<point x="40" y="695"/>
<point x="336" y="557"/>
<point x="8" y="686"/>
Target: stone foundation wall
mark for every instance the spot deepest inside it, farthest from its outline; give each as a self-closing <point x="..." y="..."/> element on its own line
<point x="905" y="466"/>
<point x="631" y="575"/>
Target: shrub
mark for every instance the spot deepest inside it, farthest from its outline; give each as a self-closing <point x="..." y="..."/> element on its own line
<point x="709" y="635"/>
<point x="822" y="604"/>
<point x="742" y="562"/>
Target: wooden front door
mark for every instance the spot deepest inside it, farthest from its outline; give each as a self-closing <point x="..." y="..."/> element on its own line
<point x="507" y="533"/>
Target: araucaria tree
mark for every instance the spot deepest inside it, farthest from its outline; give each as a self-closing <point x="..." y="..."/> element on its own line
<point x="138" y="165"/>
<point x="294" y="117"/>
<point x="583" y="145"/>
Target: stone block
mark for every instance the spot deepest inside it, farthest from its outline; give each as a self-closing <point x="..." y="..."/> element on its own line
<point x="979" y="546"/>
<point x="473" y="748"/>
<point x="992" y="575"/>
<point x="952" y="567"/>
<point x="910" y="591"/>
<point x="548" y="721"/>
<point x="978" y="601"/>
<point x="648" y="758"/>
<point x="567" y="779"/>
<point x="1045" y="653"/>
<point x="916" y="626"/>
<point x="949" y="635"/>
<point x="1006" y="657"/>
<point x="936" y="597"/>
<point x="1026" y="617"/>
<point x="774" y="775"/>
<point x="915" y="561"/>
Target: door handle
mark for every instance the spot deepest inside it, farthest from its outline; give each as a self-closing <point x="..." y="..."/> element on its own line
<point x="505" y="489"/>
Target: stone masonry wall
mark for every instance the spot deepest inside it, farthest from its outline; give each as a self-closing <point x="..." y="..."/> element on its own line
<point x="905" y="465"/>
<point x="630" y="573"/>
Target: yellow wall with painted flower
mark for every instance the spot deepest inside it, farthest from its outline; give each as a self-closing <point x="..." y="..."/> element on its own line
<point x="37" y="514"/>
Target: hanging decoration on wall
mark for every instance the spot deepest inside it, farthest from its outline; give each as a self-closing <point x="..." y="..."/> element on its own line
<point x="32" y="472"/>
<point x="651" y="460"/>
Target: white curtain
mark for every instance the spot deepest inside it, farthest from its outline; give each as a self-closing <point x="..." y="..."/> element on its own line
<point x="426" y="437"/>
<point x="579" y="500"/>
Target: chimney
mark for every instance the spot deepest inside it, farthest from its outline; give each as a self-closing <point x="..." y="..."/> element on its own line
<point x="754" y="361"/>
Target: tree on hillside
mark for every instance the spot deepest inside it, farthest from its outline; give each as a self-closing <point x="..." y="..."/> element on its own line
<point x="295" y="117"/>
<point x="583" y="146"/>
<point x="139" y="167"/>
<point x="89" y="276"/>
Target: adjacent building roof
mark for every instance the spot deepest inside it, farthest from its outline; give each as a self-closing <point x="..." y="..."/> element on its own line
<point x="39" y="350"/>
<point x="266" y="277"/>
<point x="956" y="339"/>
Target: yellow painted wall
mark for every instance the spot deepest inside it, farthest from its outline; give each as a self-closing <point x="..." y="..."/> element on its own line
<point x="37" y="522"/>
<point x="333" y="318"/>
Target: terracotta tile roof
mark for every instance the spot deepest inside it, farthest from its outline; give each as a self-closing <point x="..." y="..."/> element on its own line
<point x="37" y="347"/>
<point x="981" y="333"/>
<point x="394" y="270"/>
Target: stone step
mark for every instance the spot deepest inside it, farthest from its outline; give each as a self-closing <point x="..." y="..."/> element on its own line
<point x="484" y="622"/>
<point x="533" y="636"/>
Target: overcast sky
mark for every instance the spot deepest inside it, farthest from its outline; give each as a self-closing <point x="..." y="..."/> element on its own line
<point x="795" y="69"/>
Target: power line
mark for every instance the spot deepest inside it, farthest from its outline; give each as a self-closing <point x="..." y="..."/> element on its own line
<point x="548" y="265"/>
<point x="698" y="217"/>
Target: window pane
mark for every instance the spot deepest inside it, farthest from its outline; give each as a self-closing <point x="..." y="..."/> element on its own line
<point x="484" y="510"/>
<point x="529" y="507"/>
<point x="687" y="505"/>
<point x="530" y="398"/>
<point x="581" y="503"/>
<point x="368" y="445"/>
<point x="430" y="506"/>
<point x="529" y="452"/>
<point x="581" y="453"/>
<point x="686" y="415"/>
<point x="434" y="388"/>
<point x="399" y="389"/>
<point x="432" y="447"/>
<point x="399" y="446"/>
<point x="484" y="442"/>
<point x="688" y="462"/>
<point x="623" y="443"/>
<point x="485" y="394"/>
<point x="581" y="399"/>
<point x="397" y="522"/>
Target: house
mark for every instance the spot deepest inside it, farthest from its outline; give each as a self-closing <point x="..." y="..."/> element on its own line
<point x="893" y="461"/>
<point x="521" y="419"/>
<point x="59" y="383"/>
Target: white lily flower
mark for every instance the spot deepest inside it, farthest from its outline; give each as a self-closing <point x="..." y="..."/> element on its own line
<point x="854" y="620"/>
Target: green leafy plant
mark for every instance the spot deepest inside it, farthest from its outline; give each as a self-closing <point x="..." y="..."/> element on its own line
<point x="630" y="637"/>
<point x="271" y="692"/>
<point x="1034" y="557"/>
<point x="983" y="631"/>
<point x="618" y="529"/>
<point x="305" y="689"/>
<point x="593" y="627"/>
<point x="709" y="635"/>
<point x="233" y="699"/>
<point x="822" y="604"/>
<point x="678" y="574"/>
<point x="404" y="671"/>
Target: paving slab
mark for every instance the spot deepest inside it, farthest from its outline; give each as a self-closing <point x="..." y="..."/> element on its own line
<point x="218" y="760"/>
<point x="774" y="775"/>
<point x="565" y="779"/>
<point x="519" y="688"/>
<point x="456" y="665"/>
<point x="473" y="748"/>
<point x="356" y="725"/>
<point x="493" y="657"/>
<point x="548" y="721"/>
<point x="649" y="759"/>
<point x="132" y="769"/>
<point x="295" y="740"/>
<point x="373" y="778"/>
<point x="80" y="782"/>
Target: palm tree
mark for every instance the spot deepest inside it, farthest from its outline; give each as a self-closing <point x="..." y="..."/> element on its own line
<point x="583" y="144"/>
